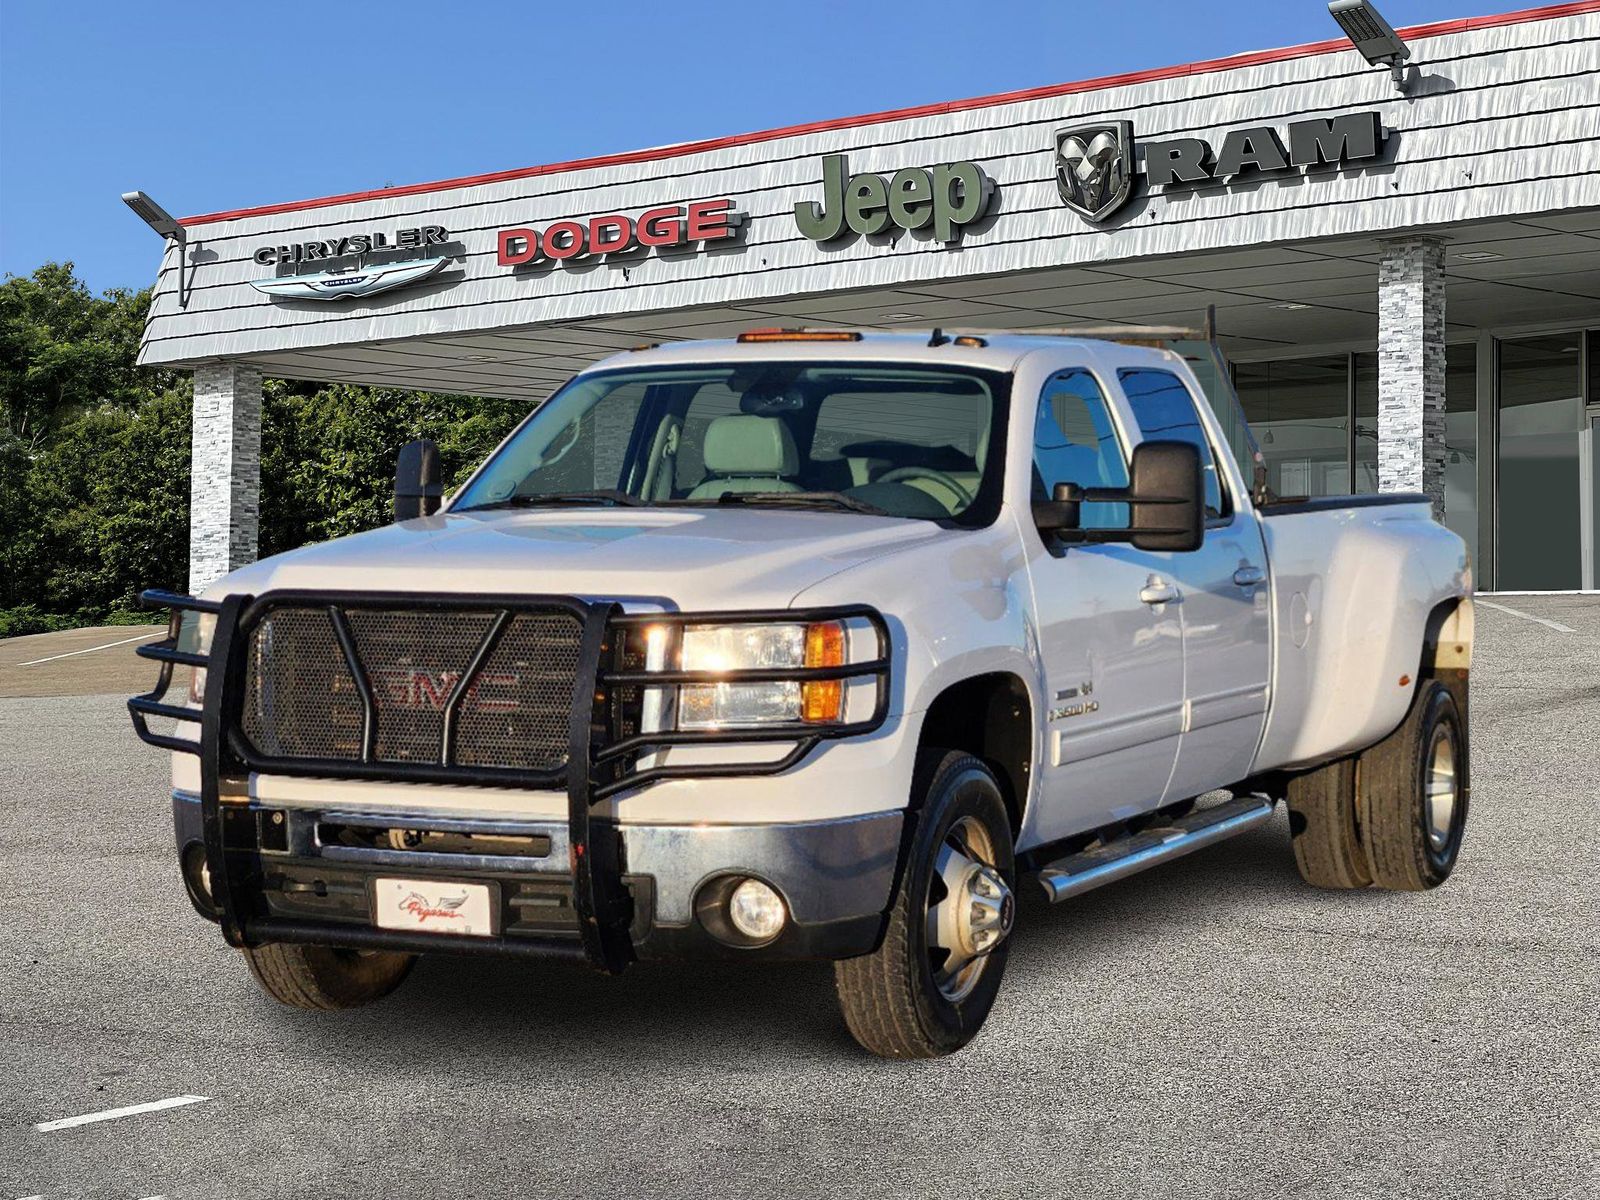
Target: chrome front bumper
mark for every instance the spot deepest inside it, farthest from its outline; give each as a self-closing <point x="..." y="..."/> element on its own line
<point x="837" y="877"/>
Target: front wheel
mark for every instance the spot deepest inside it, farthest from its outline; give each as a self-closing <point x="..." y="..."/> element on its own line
<point x="927" y="989"/>
<point x="326" y="977"/>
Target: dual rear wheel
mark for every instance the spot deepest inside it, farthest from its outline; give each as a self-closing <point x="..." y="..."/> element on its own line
<point x="1393" y="815"/>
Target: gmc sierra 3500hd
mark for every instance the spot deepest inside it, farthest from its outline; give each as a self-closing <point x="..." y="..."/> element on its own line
<point x="813" y="644"/>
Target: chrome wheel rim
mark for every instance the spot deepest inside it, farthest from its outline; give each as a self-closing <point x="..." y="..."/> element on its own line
<point x="1440" y="795"/>
<point x="970" y="908"/>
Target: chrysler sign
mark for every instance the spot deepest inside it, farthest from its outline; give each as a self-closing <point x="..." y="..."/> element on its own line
<point x="354" y="265"/>
<point x="1096" y="162"/>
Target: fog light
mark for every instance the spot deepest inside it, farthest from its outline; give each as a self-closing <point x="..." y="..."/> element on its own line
<point x="197" y="878"/>
<point x="756" y="910"/>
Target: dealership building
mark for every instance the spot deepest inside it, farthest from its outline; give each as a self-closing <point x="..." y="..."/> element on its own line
<point x="1405" y="272"/>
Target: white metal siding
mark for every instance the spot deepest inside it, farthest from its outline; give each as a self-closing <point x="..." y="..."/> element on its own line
<point x="1504" y="122"/>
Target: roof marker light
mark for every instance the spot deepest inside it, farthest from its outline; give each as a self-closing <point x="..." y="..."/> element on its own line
<point x="798" y="335"/>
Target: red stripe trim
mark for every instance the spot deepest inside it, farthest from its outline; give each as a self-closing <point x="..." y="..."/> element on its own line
<point x="1232" y="62"/>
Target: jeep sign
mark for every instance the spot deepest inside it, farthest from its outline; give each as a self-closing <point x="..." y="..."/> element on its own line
<point x="947" y="197"/>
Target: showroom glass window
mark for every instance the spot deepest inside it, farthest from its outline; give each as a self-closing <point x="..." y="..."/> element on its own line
<point x="1538" y="526"/>
<point x="1299" y="409"/>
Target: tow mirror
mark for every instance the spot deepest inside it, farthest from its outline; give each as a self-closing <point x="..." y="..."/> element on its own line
<point x="1165" y="499"/>
<point x="418" y="480"/>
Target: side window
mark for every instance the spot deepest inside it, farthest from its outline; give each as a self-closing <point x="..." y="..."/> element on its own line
<point x="1165" y="412"/>
<point x="1074" y="441"/>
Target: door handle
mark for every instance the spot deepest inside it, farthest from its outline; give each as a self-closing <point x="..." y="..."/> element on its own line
<point x="1158" y="591"/>
<point x="1249" y="576"/>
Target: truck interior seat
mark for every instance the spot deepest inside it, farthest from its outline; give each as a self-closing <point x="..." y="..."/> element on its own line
<point x="745" y="453"/>
<point x="967" y="479"/>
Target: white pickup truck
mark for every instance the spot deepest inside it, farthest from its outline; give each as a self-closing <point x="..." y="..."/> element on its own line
<point x="813" y="644"/>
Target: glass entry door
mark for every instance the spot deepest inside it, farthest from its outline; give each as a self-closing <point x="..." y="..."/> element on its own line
<point x="1541" y="508"/>
<point x="1591" y="507"/>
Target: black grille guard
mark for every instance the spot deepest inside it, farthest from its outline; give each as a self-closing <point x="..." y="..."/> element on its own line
<point x="598" y="765"/>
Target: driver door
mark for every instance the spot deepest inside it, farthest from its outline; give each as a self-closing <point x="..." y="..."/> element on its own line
<point x="1112" y="648"/>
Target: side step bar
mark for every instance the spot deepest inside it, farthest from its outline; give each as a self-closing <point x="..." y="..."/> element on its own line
<point x="1100" y="865"/>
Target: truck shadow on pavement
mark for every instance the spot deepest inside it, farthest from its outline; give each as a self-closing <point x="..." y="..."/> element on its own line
<point x="473" y="1014"/>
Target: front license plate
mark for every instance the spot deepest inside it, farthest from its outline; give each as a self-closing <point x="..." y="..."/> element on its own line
<point x="432" y="906"/>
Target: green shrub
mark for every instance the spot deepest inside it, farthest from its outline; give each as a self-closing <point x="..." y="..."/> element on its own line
<point x="26" y="618"/>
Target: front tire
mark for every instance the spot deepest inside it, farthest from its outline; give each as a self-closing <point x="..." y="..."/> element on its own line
<point x="1413" y="792"/>
<point x="927" y="989"/>
<point x="323" y="978"/>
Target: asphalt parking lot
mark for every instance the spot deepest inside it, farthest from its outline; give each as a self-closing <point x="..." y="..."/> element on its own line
<point x="1213" y="1028"/>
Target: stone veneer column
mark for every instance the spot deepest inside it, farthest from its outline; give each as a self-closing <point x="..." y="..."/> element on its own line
<point x="225" y="472"/>
<point x="1411" y="449"/>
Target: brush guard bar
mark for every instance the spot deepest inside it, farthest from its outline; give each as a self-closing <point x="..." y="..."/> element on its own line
<point x="598" y="764"/>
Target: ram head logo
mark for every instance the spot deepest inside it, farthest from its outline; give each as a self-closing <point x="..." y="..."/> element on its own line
<point x="1094" y="167"/>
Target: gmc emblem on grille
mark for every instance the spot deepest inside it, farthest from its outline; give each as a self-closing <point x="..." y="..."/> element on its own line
<point x="414" y="688"/>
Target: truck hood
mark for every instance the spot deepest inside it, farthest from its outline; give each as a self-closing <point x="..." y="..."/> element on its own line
<point x="681" y="558"/>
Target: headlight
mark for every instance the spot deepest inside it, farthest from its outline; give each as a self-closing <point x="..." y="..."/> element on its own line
<point x="754" y="647"/>
<point x="194" y="636"/>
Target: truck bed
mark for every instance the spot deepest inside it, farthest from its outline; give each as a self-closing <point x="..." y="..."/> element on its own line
<point x="1354" y="582"/>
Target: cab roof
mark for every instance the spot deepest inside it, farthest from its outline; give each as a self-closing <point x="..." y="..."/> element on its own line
<point x="996" y="351"/>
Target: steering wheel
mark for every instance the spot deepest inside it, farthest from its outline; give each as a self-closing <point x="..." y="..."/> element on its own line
<point x="948" y="482"/>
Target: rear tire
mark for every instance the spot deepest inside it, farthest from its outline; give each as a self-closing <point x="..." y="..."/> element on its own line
<point x="1322" y="823"/>
<point x="1412" y="794"/>
<point x="326" y="977"/>
<point x="916" y="996"/>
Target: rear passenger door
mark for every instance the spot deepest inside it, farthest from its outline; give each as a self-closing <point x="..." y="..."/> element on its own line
<point x="1223" y="598"/>
<point x="1113" y="662"/>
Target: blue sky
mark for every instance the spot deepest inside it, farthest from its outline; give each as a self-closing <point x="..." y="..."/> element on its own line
<point x="210" y="106"/>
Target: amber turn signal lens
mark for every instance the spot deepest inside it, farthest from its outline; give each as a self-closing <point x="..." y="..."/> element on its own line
<point x="822" y="700"/>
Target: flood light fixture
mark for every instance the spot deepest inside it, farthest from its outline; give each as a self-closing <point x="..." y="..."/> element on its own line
<point x="164" y="223"/>
<point x="1372" y="36"/>
<point x="153" y="215"/>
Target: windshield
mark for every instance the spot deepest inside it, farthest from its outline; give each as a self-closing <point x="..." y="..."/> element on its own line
<point x="901" y="441"/>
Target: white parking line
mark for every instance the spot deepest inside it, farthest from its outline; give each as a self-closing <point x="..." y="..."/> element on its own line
<point x="1556" y="625"/>
<point x="143" y="637"/>
<point x="111" y="1114"/>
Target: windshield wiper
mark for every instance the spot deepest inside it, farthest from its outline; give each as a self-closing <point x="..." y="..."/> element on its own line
<point x="800" y="500"/>
<point x="554" y="499"/>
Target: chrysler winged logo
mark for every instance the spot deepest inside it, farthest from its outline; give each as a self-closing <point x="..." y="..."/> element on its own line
<point x="338" y="285"/>
<point x="1094" y="167"/>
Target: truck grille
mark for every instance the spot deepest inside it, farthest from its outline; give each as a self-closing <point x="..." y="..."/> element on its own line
<point x="302" y="700"/>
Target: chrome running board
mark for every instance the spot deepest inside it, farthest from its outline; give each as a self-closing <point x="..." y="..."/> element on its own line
<point x="1107" y="863"/>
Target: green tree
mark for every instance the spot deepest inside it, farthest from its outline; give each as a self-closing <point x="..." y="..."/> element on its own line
<point x="328" y="457"/>
<point x="64" y="351"/>
<point x="111" y="508"/>
<point x="94" y="454"/>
